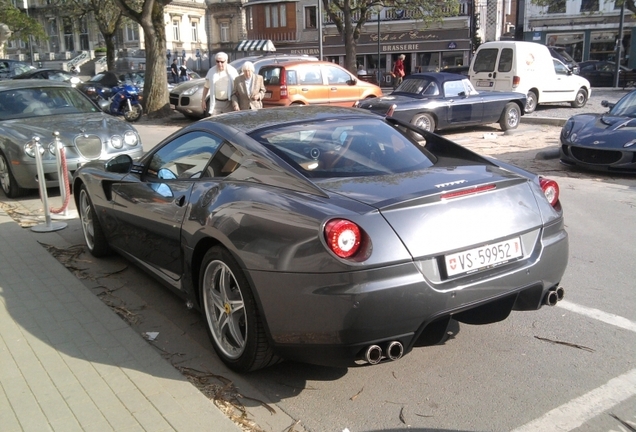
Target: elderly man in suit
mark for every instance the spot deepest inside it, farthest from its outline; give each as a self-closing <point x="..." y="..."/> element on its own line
<point x="249" y="89"/>
<point x="219" y="83"/>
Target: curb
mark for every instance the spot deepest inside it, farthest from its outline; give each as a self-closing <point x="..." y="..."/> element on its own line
<point x="548" y="154"/>
<point x="552" y="121"/>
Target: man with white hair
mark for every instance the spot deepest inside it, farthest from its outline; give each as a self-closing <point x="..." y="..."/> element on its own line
<point x="219" y="82"/>
<point x="249" y="89"/>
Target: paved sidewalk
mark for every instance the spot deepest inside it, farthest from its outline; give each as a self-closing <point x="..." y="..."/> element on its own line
<point x="69" y="363"/>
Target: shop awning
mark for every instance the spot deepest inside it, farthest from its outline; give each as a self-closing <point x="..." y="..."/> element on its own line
<point x="256" y="45"/>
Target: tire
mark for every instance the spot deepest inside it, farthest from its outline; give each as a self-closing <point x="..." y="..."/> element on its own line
<point x="231" y="314"/>
<point x="9" y="184"/>
<point x="91" y="228"/>
<point x="580" y="100"/>
<point x="531" y="102"/>
<point x="423" y="121"/>
<point x="510" y="117"/>
<point x="134" y="114"/>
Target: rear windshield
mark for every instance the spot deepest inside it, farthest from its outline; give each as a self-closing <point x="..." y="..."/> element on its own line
<point x="271" y="75"/>
<point x="419" y="86"/>
<point x="345" y="148"/>
<point x="485" y="60"/>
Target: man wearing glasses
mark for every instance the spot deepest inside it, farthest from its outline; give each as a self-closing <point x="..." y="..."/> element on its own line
<point x="219" y="83"/>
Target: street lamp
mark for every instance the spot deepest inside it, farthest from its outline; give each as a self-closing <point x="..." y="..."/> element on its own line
<point x="320" y="30"/>
<point x="619" y="45"/>
<point x="378" y="6"/>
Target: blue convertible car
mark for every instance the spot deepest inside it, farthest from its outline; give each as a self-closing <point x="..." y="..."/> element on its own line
<point x="435" y="101"/>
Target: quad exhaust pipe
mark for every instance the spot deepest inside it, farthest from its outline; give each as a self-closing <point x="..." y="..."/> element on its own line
<point x="393" y="351"/>
<point x="553" y="296"/>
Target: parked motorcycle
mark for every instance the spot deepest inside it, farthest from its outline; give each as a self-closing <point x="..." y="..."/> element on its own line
<point x="124" y="100"/>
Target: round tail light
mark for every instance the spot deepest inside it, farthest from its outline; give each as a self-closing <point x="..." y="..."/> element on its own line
<point x="343" y="237"/>
<point x="550" y="190"/>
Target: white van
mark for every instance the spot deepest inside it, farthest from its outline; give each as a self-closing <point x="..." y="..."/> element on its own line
<point x="528" y="68"/>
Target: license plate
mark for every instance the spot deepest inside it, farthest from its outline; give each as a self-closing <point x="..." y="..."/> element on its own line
<point x="268" y="95"/>
<point x="483" y="257"/>
<point x="484" y="83"/>
<point x="172" y="106"/>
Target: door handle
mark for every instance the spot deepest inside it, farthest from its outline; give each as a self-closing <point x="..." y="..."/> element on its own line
<point x="494" y="74"/>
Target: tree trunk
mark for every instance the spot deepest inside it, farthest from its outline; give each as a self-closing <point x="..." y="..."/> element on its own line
<point x="110" y="51"/>
<point x="156" y="96"/>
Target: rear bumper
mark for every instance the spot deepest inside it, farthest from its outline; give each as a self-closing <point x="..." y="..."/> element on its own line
<point x="331" y="318"/>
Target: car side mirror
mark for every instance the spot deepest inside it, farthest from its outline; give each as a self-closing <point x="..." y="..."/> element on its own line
<point x="119" y="164"/>
<point x="607" y="104"/>
<point x="352" y="81"/>
<point x="462" y="94"/>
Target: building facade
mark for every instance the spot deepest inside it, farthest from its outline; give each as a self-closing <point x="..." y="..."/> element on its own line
<point x="73" y="41"/>
<point x="293" y="26"/>
<point x="588" y="29"/>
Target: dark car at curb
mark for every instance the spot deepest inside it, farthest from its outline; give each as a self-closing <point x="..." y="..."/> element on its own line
<point x="10" y="68"/>
<point x="602" y="142"/>
<point x="36" y="109"/>
<point x="327" y="234"/>
<point x="439" y="100"/>
<point x="50" y="74"/>
<point x="601" y="73"/>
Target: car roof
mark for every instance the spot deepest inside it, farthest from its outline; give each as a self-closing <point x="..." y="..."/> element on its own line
<point x="266" y="60"/>
<point x="34" y="83"/>
<point x="293" y="63"/>
<point x="250" y="120"/>
<point x="34" y="71"/>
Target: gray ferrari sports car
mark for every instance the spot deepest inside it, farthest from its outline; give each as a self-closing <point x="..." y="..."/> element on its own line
<point x="602" y="142"/>
<point x="327" y="235"/>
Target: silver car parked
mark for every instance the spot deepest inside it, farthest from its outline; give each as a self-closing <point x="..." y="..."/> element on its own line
<point x="186" y="97"/>
<point x="37" y="108"/>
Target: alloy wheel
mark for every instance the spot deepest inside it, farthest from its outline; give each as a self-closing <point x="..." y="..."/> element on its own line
<point x="86" y="217"/>
<point x="225" y="309"/>
<point x="5" y="176"/>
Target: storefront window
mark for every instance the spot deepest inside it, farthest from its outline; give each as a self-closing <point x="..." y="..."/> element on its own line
<point x="571" y="42"/>
<point x="452" y="58"/>
<point x="427" y="62"/>
<point x="603" y="45"/>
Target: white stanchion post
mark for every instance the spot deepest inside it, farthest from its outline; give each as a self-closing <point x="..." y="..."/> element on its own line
<point x="48" y="226"/>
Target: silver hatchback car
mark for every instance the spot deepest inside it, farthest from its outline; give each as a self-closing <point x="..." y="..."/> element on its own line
<point x="186" y="97"/>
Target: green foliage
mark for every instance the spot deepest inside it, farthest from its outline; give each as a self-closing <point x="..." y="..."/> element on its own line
<point x="21" y="25"/>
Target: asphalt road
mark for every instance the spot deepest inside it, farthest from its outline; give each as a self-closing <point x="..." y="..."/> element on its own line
<point x="567" y="368"/>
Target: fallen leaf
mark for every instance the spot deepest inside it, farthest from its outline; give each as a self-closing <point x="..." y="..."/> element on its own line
<point x="356" y="395"/>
